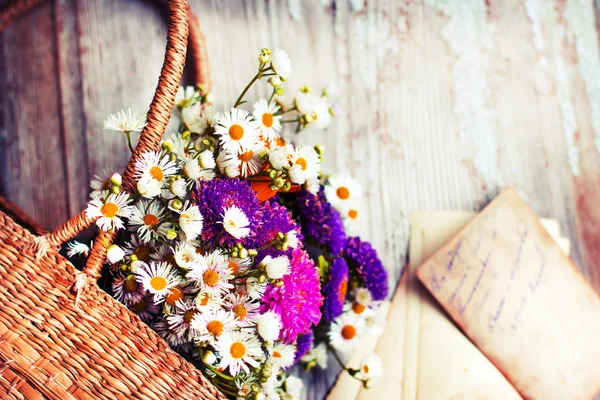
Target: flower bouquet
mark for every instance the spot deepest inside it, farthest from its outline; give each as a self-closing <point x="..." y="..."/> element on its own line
<point x="234" y="247"/>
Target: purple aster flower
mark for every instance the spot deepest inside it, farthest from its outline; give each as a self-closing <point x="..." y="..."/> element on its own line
<point x="320" y="220"/>
<point x="298" y="301"/>
<point x="217" y="195"/>
<point x="303" y="345"/>
<point x="335" y="290"/>
<point x="364" y="259"/>
<point x="276" y="218"/>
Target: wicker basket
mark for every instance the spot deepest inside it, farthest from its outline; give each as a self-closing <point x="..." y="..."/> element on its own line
<point x="61" y="337"/>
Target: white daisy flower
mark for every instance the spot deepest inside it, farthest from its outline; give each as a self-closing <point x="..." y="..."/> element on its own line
<point x="291" y="238"/>
<point x="146" y="219"/>
<point x="345" y="332"/>
<point x="206" y="160"/>
<point x="268" y="123"/>
<point x="76" y="248"/>
<point x="178" y="188"/>
<point x="163" y="252"/>
<point x="152" y="165"/>
<point x="127" y="290"/>
<point x="282" y="355"/>
<point x="269" y="326"/>
<point x="238" y="350"/>
<point x="125" y="121"/>
<point x="161" y="326"/>
<point x="148" y="187"/>
<point x="229" y="164"/>
<point x="177" y="294"/>
<point x="158" y="278"/>
<point x="276" y="267"/>
<point x="146" y="309"/>
<point x="185" y="255"/>
<point x="236" y="130"/>
<point x="191" y="221"/>
<point x="315" y="109"/>
<point x="100" y="183"/>
<point x="181" y="320"/>
<point x="212" y="323"/>
<point x="279" y="157"/>
<point x="110" y="212"/>
<point x="192" y="118"/>
<point x="179" y="145"/>
<point x="293" y="388"/>
<point x="374" y="322"/>
<point x="114" y="254"/>
<point x="363" y="296"/>
<point x="184" y="96"/>
<point x="305" y="164"/>
<point x="141" y="250"/>
<point x="239" y="265"/>
<point x="358" y="309"/>
<point x="245" y="310"/>
<point x="206" y="299"/>
<point x="350" y="216"/>
<point x="342" y="190"/>
<point x="254" y="288"/>
<point x="212" y="272"/>
<point x="248" y="163"/>
<point x="281" y="64"/>
<point x="193" y="171"/>
<point x="235" y="222"/>
<point x="371" y="368"/>
<point x="313" y="184"/>
<point x="317" y="354"/>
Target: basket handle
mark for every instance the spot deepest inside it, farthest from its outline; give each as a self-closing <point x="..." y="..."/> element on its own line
<point x="157" y="120"/>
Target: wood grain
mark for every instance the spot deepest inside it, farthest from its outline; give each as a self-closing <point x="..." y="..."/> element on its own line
<point x="417" y="129"/>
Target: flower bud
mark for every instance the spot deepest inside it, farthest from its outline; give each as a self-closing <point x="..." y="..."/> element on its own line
<point x="275" y="81"/>
<point x="186" y="134"/>
<point x="171" y="234"/>
<point x="209" y="98"/>
<point x="243" y="253"/>
<point x="252" y="253"/>
<point x="209" y="358"/>
<point x="176" y="204"/>
<point x="264" y="58"/>
<point x="115" y="189"/>
<point x="279" y="91"/>
<point x="116" y="179"/>
<point x="114" y="253"/>
<point x="167" y="145"/>
<point x="262" y="278"/>
<point x="272" y="174"/>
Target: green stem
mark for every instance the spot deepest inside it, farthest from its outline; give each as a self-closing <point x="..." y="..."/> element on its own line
<point x="239" y="100"/>
<point x="288" y="121"/>
<point x="129" y="141"/>
<point x="272" y="95"/>
<point x="216" y="372"/>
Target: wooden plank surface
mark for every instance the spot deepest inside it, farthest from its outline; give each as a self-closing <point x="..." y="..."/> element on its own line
<point x="444" y="102"/>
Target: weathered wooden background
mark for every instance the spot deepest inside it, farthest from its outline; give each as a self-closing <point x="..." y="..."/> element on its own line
<point x="445" y="101"/>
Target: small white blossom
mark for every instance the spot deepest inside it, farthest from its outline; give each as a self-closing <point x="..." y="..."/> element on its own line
<point x="125" y="121"/>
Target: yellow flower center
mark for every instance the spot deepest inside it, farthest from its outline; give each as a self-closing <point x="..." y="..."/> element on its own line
<point x="204" y="299"/>
<point x="343" y="290"/>
<point x="302" y="163"/>
<point x="143" y="253"/>
<point x="358" y="308"/>
<point x="188" y="316"/>
<point x="353" y="214"/>
<point x="236" y="132"/>
<point x="237" y="350"/>
<point x="214" y="327"/>
<point x="267" y="120"/>
<point x="158" y="283"/>
<point x="150" y="220"/>
<point x="210" y="277"/>
<point x="348" y="332"/>
<point x="233" y="267"/>
<point x="157" y="173"/>
<point x="175" y="294"/>
<point x="247" y="156"/>
<point x="240" y="311"/>
<point x="130" y="285"/>
<point x="109" y="210"/>
<point x="343" y="192"/>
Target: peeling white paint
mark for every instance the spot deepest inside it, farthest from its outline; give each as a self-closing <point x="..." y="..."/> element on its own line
<point x="295" y="9"/>
<point x="536" y="11"/>
<point x="375" y="39"/>
<point x="581" y="31"/>
<point x="471" y="39"/>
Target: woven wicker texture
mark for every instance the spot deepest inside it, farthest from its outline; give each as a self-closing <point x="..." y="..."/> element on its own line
<point x="51" y="349"/>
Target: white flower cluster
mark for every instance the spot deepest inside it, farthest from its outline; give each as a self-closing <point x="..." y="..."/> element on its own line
<point x="344" y="193"/>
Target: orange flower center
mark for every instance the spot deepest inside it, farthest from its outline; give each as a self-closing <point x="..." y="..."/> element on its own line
<point x="302" y="163"/>
<point x="343" y="192"/>
<point x="143" y="253"/>
<point x="210" y="277"/>
<point x="353" y="214"/>
<point x="150" y="220"/>
<point x="188" y="316"/>
<point x="366" y="369"/>
<point x="157" y="173"/>
<point x="343" y="290"/>
<point x="204" y="299"/>
<point x="240" y="311"/>
<point x="276" y="354"/>
<point x="174" y="295"/>
<point x="109" y="210"/>
<point x="237" y="350"/>
<point x="267" y="120"/>
<point x="247" y="156"/>
<point x="358" y="308"/>
<point x="215" y="327"/>
<point x="233" y="267"/>
<point x="130" y="285"/>
<point x="236" y="132"/>
<point x="158" y="283"/>
<point x="348" y="332"/>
